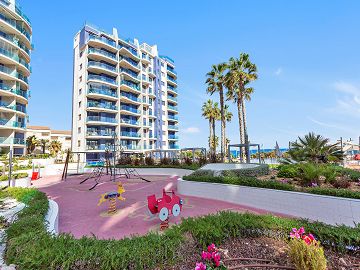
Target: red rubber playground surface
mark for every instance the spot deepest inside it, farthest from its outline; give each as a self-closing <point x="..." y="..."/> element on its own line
<point x="80" y="215"/>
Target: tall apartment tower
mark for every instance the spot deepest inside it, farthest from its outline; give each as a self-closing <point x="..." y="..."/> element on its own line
<point x="15" y="49"/>
<point x="125" y="88"/>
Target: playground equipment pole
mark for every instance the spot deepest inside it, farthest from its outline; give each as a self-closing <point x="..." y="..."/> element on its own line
<point x="10" y="164"/>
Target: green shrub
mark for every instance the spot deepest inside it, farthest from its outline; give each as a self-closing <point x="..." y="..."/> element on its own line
<point x="330" y="173"/>
<point x="341" y="182"/>
<point x="203" y="173"/>
<point x="344" y="193"/>
<point x="354" y="175"/>
<point x="287" y="171"/>
<point x="165" y="161"/>
<point x="149" y="161"/>
<point x="307" y="257"/>
<point x="259" y="170"/>
<point x="13" y="176"/>
<point x="309" y="173"/>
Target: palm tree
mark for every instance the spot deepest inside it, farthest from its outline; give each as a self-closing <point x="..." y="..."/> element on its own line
<point x="216" y="83"/>
<point x="313" y="148"/>
<point x="210" y="111"/>
<point x="55" y="147"/>
<point x="31" y="143"/>
<point x="228" y="116"/>
<point x="241" y="71"/>
<point x="43" y="143"/>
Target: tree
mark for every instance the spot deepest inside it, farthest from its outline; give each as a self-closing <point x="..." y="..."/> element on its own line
<point x="216" y="84"/>
<point x="313" y="148"/>
<point x="55" y="147"/>
<point x="31" y="143"/>
<point x="43" y="143"/>
<point x="241" y="71"/>
<point x="210" y="111"/>
<point x="228" y="116"/>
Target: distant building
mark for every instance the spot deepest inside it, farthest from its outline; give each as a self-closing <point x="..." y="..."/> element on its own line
<point x="122" y="87"/>
<point x="44" y="132"/>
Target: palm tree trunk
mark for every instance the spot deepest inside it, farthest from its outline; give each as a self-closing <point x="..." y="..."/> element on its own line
<point x="210" y="137"/>
<point x="241" y="123"/>
<point x="214" y="141"/>
<point x="243" y="107"/>
<point x="223" y="138"/>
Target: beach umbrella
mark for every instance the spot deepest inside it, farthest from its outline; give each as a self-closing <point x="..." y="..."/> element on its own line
<point x="277" y="150"/>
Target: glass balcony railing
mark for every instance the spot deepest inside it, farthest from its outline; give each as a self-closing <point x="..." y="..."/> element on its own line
<point x="19" y="11"/>
<point x="15" y="57"/>
<point x="14" y="91"/>
<point x="101" y="119"/>
<point x="173" y="127"/>
<point x="96" y="132"/>
<point x="7" y="140"/>
<point x="131" y="73"/>
<point x="172" y="98"/>
<point x="173" y="117"/>
<point x="104" y="40"/>
<point x="173" y="137"/>
<point x="97" y="147"/>
<point x="131" y="61"/>
<point x="7" y="123"/>
<point x="101" y="65"/>
<point x="145" y="57"/>
<point x="131" y="85"/>
<point x="102" y="91"/>
<point x="101" y="78"/>
<point x="129" y="134"/>
<point x="171" y="70"/>
<point x="146" y="79"/>
<point x="15" y="41"/>
<point x="130" y="49"/>
<point x="129" y="109"/>
<point x="130" y="147"/>
<point x="168" y="59"/>
<point x="22" y="77"/>
<point x="102" y="105"/>
<point x="129" y="121"/>
<point x="102" y="52"/>
<point x="131" y="97"/>
<point x="174" y="89"/>
<point x="14" y="24"/>
<point x="173" y="146"/>
<point x="171" y="79"/>
<point x="174" y="108"/>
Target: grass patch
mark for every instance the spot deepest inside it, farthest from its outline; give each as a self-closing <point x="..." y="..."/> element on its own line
<point x="31" y="247"/>
<point x="13" y="176"/>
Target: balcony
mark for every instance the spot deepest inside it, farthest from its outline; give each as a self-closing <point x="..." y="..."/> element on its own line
<point x="19" y="11"/>
<point x="172" y="80"/>
<point x="129" y="109"/>
<point x="129" y="122"/>
<point x="131" y="97"/>
<point x="172" y="89"/>
<point x="130" y="50"/>
<point x="146" y="48"/>
<point x="17" y="26"/>
<point x="132" y="74"/>
<point x="101" y="78"/>
<point x="12" y="124"/>
<point x="146" y="80"/>
<point x="173" y="127"/>
<point x="17" y="108"/>
<point x="104" y="40"/>
<point x="102" y="91"/>
<point x="102" y="53"/>
<point x="101" y="119"/>
<point x="173" y="117"/>
<point x="15" y="42"/>
<point x="102" y="66"/>
<point x="130" y="134"/>
<point x="145" y="58"/>
<point x="174" y="146"/>
<point x="130" y="85"/>
<point x="99" y="133"/>
<point x="173" y="137"/>
<point x="171" y="70"/>
<point x="11" y="141"/>
<point x="102" y="105"/>
<point x="130" y="147"/>
<point x="97" y="147"/>
<point x="172" y="108"/>
<point x="174" y="99"/>
<point x="168" y="59"/>
<point x="131" y="63"/>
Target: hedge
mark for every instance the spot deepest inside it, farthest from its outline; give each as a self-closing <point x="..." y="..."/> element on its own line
<point x="13" y="176"/>
<point x="259" y="170"/>
<point x="30" y="246"/>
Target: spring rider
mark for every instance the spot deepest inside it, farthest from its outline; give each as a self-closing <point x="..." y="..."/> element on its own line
<point x="111" y="197"/>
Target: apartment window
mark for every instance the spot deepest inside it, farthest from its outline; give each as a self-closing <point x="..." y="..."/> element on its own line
<point x="162" y="64"/>
<point x="163" y="74"/>
<point x="80" y="66"/>
<point x="80" y="79"/>
<point x="163" y="142"/>
<point x="144" y="99"/>
<point x="164" y="133"/>
<point x="81" y="53"/>
<point x="163" y="112"/>
<point x="80" y="91"/>
<point x="162" y="83"/>
<point x="79" y="130"/>
<point x="163" y="93"/>
<point x="163" y="103"/>
<point x="79" y="143"/>
<point x="79" y="117"/>
<point x="79" y="104"/>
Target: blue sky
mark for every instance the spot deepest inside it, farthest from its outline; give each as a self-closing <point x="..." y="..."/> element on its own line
<point x="307" y="54"/>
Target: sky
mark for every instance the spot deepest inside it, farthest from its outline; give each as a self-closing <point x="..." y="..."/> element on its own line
<point x="306" y="52"/>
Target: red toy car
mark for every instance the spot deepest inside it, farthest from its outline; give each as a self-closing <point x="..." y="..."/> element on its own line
<point x="165" y="206"/>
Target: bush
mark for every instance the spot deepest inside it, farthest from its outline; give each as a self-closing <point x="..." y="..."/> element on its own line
<point x="354" y="175"/>
<point x="202" y="173"/>
<point x="306" y="257"/>
<point x="329" y="173"/>
<point x="341" y="182"/>
<point x="287" y="171"/>
<point x="343" y="193"/>
<point x="259" y="170"/>
<point x="175" y="162"/>
<point x="125" y="160"/>
<point x="309" y="174"/>
<point x="165" y="161"/>
<point x="149" y="161"/>
<point x="14" y="176"/>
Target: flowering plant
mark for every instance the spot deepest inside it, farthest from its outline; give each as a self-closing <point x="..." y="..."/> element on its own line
<point x="300" y="234"/>
<point x="211" y="259"/>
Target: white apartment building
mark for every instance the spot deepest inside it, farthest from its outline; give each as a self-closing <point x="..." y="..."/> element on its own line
<point x="124" y="88"/>
<point x="45" y="133"/>
<point x="15" y="49"/>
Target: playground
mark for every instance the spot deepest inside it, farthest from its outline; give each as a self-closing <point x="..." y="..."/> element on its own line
<point x="80" y="214"/>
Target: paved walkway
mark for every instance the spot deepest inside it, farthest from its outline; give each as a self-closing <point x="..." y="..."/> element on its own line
<point x="80" y="215"/>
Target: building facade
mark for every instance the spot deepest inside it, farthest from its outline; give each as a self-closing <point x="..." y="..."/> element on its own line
<point x="15" y="49"/>
<point x="123" y="90"/>
<point x="45" y="133"/>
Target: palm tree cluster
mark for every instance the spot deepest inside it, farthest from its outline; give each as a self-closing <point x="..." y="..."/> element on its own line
<point x="32" y="142"/>
<point x="314" y="148"/>
<point x="230" y="80"/>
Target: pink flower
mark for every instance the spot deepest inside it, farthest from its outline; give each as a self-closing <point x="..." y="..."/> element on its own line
<point x="301" y="231"/>
<point x="211" y="248"/>
<point x="311" y="237"/>
<point x="200" y="266"/>
<point x="297" y="233"/>
<point x="205" y="255"/>
<point x="216" y="257"/>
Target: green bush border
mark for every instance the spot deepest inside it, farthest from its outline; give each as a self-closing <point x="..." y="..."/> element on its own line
<point x="30" y="246"/>
<point x="272" y="184"/>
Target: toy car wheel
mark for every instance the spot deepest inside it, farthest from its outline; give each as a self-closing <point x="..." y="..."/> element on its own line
<point x="163" y="214"/>
<point x="176" y="210"/>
